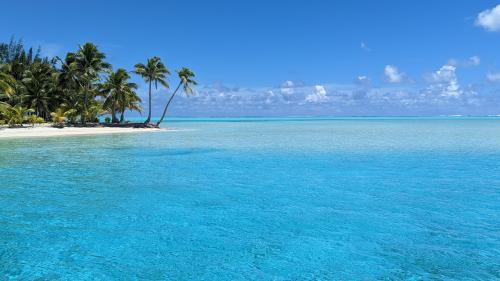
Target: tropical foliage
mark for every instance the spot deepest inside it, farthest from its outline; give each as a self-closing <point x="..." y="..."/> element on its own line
<point x="15" y="115"/>
<point x="120" y="94"/>
<point x="186" y="81"/>
<point x="63" y="114"/>
<point x="76" y="89"/>
<point x="154" y="71"/>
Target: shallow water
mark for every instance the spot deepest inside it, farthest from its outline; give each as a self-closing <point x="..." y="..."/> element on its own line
<point x="256" y="199"/>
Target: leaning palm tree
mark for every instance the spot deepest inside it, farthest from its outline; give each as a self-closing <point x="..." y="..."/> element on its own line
<point x="88" y="63"/>
<point x="186" y="81"/>
<point x="153" y="72"/>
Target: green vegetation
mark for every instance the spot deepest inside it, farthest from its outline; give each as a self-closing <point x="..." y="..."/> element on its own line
<point x="63" y="114"/>
<point x="120" y="94"/>
<point x="185" y="77"/>
<point x="153" y="72"/>
<point x="77" y="89"/>
<point x="15" y="115"/>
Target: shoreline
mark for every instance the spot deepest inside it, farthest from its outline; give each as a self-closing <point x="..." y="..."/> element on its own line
<point x="46" y="130"/>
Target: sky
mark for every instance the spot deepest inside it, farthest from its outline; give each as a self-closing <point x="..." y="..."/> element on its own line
<point x="289" y="58"/>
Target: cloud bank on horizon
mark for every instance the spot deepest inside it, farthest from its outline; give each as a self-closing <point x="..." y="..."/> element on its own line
<point x="396" y="93"/>
<point x="440" y="93"/>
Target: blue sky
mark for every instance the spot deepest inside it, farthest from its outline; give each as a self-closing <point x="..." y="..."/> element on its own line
<point x="256" y="58"/>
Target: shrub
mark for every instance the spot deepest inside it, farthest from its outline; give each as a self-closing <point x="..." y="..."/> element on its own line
<point x="33" y="119"/>
<point x="107" y="120"/>
<point x="62" y="114"/>
<point x="16" y="115"/>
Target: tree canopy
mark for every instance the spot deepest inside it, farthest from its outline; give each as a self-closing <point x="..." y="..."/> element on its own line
<point x="75" y="89"/>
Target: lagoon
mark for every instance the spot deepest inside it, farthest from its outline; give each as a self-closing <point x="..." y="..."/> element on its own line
<point x="256" y="199"/>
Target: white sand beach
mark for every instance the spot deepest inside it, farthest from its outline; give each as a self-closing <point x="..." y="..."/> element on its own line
<point x="49" y="131"/>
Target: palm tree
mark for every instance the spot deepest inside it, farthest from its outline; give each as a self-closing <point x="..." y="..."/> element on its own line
<point x="88" y="63"/>
<point x="153" y="72"/>
<point x="7" y="82"/>
<point x="110" y="90"/>
<point x="39" y="88"/>
<point x="118" y="91"/>
<point x="185" y="77"/>
<point x="68" y="86"/>
<point x="131" y="101"/>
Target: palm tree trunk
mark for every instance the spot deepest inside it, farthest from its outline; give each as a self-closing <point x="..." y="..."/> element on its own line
<point x="122" y="116"/>
<point x="149" y="107"/>
<point x="113" y="115"/>
<point x="84" y="113"/>
<point x="168" y="103"/>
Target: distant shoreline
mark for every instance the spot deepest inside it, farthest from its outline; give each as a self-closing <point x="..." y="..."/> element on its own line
<point x="46" y="130"/>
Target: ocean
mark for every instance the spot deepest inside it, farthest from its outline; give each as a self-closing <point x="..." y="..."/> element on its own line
<point x="256" y="199"/>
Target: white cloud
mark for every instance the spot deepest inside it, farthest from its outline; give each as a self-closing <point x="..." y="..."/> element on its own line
<point x="445" y="74"/>
<point x="445" y="82"/>
<point x="393" y="75"/>
<point x="362" y="80"/>
<point x="472" y="61"/>
<point x="365" y="47"/>
<point x="493" y="77"/>
<point x="287" y="87"/>
<point x="318" y="96"/>
<point x="489" y="19"/>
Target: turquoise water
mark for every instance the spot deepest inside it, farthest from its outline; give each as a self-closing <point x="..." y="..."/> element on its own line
<point x="256" y="199"/>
